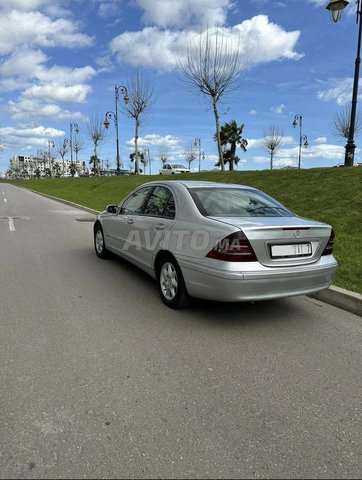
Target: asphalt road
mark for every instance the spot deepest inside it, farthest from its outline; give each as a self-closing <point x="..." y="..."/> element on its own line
<point x="100" y="380"/>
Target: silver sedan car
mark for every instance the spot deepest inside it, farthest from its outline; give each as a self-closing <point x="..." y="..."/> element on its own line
<point x="217" y="241"/>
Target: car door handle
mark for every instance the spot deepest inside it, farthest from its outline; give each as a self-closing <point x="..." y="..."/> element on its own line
<point x="159" y="226"/>
<point x="130" y="221"/>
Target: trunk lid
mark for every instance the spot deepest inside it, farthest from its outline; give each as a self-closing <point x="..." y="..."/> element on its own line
<point x="283" y="241"/>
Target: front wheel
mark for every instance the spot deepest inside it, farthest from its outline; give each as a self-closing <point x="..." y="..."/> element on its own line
<point x="99" y="244"/>
<point x="171" y="285"/>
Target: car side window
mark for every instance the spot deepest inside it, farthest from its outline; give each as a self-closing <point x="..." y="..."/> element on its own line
<point x="170" y="208"/>
<point x="160" y="203"/>
<point x="134" y="204"/>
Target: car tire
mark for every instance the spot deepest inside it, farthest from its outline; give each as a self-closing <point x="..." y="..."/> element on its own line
<point x="99" y="244"/>
<point x="171" y="284"/>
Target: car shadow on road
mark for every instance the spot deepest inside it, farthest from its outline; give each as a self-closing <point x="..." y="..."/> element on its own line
<point x="279" y="311"/>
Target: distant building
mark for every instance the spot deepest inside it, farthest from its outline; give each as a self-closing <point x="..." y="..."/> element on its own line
<point x="34" y="166"/>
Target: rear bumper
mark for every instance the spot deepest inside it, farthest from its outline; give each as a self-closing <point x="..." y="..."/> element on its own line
<point x="262" y="283"/>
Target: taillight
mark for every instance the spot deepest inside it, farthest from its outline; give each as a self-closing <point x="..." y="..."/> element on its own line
<point x="233" y="248"/>
<point x="329" y="247"/>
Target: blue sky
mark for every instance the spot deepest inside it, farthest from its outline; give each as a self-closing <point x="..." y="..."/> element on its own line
<point x="60" y="61"/>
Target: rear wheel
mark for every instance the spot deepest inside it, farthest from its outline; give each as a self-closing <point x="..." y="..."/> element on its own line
<point x="171" y="284"/>
<point x="99" y="244"/>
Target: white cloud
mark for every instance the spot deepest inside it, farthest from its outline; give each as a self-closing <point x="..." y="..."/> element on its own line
<point x="55" y="92"/>
<point x="28" y="136"/>
<point x="318" y="3"/>
<point x="340" y="91"/>
<point x="181" y="13"/>
<point x="278" y="109"/>
<point x="22" y="4"/>
<point x="43" y="88"/>
<point x="29" y="108"/>
<point x="309" y="156"/>
<point x="262" y="41"/>
<point x="24" y="63"/>
<point x="320" y="140"/>
<point x="258" y="40"/>
<point x="154" y="140"/>
<point x="253" y="143"/>
<point x="66" y="75"/>
<point x="31" y="64"/>
<point x="21" y="29"/>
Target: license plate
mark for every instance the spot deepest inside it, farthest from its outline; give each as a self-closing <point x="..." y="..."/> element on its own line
<point x="291" y="251"/>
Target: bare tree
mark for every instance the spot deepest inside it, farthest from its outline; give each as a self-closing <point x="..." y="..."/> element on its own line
<point x="213" y="67"/>
<point x="272" y="140"/>
<point x="140" y="97"/>
<point x="78" y="145"/>
<point x="341" y="122"/>
<point x="96" y="132"/>
<point x="190" y="156"/>
<point x="62" y="149"/>
<point x="163" y="154"/>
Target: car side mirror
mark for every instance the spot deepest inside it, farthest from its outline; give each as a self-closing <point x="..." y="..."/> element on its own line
<point x="112" y="209"/>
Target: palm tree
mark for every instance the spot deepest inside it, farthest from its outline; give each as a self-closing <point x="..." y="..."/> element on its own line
<point x="141" y="158"/>
<point x="231" y="138"/>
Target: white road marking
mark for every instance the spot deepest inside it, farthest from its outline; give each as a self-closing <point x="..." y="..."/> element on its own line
<point x="11" y="225"/>
<point x="5" y="200"/>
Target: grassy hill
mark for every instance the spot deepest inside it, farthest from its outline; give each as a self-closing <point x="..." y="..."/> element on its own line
<point x="331" y="195"/>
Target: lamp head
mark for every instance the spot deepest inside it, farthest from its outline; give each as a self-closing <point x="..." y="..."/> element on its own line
<point x="106" y="122"/>
<point x="336" y="8"/>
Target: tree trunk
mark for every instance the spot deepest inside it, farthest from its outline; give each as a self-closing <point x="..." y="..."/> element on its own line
<point x="217" y="122"/>
<point x="271" y="160"/>
<point x="137" y="166"/>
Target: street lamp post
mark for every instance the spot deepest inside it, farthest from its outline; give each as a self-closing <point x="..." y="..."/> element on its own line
<point x="336" y="8"/>
<point x="197" y="141"/>
<point x="302" y="138"/>
<point x="111" y="114"/>
<point x="75" y="125"/>
<point x="64" y="150"/>
<point x="50" y="144"/>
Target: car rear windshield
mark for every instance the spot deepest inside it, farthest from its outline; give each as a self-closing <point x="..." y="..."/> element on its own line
<point x="236" y="202"/>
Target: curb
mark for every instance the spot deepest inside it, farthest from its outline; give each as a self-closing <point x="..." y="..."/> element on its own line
<point x="339" y="297"/>
<point x="61" y="200"/>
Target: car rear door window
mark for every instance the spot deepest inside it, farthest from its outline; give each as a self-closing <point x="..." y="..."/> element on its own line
<point x="160" y="203"/>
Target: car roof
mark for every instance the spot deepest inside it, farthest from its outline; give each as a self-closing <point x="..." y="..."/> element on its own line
<point x="200" y="184"/>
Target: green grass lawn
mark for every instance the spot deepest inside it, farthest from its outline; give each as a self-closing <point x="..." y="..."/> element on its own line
<point x="331" y="195"/>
